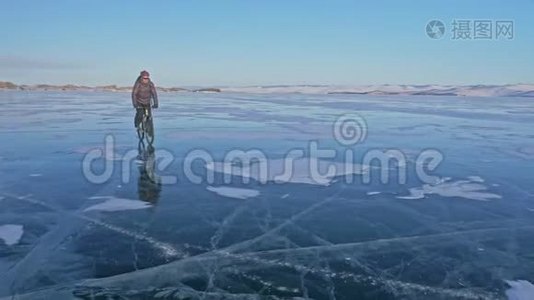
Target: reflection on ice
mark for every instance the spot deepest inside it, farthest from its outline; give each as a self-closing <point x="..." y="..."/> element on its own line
<point x="11" y="233"/>
<point x="117" y="204"/>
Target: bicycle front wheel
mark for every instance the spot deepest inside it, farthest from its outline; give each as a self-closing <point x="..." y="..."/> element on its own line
<point x="141" y="131"/>
<point x="149" y="131"/>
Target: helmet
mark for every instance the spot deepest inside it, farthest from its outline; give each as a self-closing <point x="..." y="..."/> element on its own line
<point x="144" y="73"/>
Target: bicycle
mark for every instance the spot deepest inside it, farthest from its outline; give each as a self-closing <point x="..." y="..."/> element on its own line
<point x="146" y="126"/>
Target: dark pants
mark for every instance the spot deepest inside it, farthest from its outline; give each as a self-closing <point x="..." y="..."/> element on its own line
<point x="139" y="115"/>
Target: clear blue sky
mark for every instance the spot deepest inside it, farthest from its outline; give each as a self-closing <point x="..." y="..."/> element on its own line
<point x="245" y="42"/>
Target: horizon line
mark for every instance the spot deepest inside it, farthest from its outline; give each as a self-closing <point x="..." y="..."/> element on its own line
<point x="270" y="85"/>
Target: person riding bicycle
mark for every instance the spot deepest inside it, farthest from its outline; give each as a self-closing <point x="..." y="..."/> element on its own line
<point x="143" y="95"/>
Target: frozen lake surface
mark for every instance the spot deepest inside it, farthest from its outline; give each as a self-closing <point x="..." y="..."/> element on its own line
<point x="148" y="231"/>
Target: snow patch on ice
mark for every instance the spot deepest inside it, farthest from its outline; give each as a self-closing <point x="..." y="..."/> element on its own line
<point x="373" y="193"/>
<point x="232" y="192"/>
<point x="467" y="189"/>
<point x="11" y="233"/>
<point x="442" y="180"/>
<point x="476" y="179"/>
<point x="415" y="193"/>
<point x="520" y="290"/>
<point x="297" y="170"/>
<point x="117" y="204"/>
<point x="36" y="175"/>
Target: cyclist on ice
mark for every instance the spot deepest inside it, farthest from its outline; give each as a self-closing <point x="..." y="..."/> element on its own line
<point x="143" y="96"/>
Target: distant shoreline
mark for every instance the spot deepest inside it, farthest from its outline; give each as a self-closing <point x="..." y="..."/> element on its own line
<point x="510" y="90"/>
<point x="5" y="85"/>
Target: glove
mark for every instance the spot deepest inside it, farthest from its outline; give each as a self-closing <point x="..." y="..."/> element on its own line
<point x="154" y="106"/>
